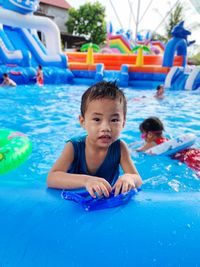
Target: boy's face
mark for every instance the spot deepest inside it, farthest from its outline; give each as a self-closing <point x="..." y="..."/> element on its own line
<point x="103" y="121"/>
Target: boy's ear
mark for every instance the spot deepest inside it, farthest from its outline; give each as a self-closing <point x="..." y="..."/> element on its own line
<point x="81" y="120"/>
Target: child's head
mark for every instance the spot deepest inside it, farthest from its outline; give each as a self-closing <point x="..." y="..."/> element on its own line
<point x="103" y="90"/>
<point x="5" y="75"/>
<point x="39" y="67"/>
<point x="160" y="89"/>
<point x="103" y="113"/>
<point x="151" y="128"/>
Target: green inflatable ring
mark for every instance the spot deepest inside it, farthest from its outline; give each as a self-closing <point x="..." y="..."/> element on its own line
<point x="15" y="148"/>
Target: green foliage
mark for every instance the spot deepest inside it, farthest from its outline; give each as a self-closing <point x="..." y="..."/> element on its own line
<point x="88" y="21"/>
<point x="160" y="37"/>
<point x="175" y="17"/>
<point x="194" y="60"/>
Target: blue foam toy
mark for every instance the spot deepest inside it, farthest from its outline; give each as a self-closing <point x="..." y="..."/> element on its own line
<point x="90" y="203"/>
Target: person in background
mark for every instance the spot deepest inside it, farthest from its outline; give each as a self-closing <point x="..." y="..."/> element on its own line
<point x="7" y="81"/>
<point x="92" y="161"/>
<point x="152" y="132"/>
<point x="40" y="76"/>
<point x="160" y="92"/>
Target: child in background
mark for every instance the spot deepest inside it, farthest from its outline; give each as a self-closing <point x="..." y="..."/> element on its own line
<point x="40" y="76"/>
<point x="92" y="161"/>
<point x="160" y="91"/>
<point x="152" y="131"/>
<point x="7" y="81"/>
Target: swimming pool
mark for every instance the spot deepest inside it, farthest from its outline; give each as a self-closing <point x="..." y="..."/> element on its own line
<point x="160" y="227"/>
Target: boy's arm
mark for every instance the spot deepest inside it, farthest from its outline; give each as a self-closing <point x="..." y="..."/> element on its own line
<point x="128" y="165"/>
<point x="59" y="178"/>
<point x="131" y="177"/>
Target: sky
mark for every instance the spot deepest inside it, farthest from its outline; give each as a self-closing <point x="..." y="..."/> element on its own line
<point x="149" y="20"/>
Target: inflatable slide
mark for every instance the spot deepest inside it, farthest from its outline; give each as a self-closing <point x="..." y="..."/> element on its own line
<point x="20" y="46"/>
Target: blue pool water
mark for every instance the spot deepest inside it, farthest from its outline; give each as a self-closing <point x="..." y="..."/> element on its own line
<point x="49" y="116"/>
<point x="38" y="228"/>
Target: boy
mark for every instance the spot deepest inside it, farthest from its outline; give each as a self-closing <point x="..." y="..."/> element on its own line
<point x="93" y="161"/>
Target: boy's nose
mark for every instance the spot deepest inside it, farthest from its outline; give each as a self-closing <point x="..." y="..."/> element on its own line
<point x="105" y="127"/>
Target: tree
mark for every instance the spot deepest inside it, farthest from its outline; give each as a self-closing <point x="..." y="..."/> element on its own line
<point x="160" y="37"/>
<point x="194" y="55"/>
<point x="175" y="17"/>
<point x="88" y="21"/>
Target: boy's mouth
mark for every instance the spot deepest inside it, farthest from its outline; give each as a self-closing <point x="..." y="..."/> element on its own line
<point x="105" y="138"/>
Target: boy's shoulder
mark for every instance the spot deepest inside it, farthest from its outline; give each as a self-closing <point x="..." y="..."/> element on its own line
<point x="77" y="139"/>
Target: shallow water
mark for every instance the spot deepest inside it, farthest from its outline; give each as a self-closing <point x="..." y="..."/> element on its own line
<point x="49" y="116"/>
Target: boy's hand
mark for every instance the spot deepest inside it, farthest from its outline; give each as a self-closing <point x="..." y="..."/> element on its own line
<point x="100" y="186"/>
<point x="125" y="183"/>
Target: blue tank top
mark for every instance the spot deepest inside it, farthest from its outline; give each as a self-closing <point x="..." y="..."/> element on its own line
<point x="109" y="169"/>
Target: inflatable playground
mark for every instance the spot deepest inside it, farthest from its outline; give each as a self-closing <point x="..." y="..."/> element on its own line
<point x="167" y="65"/>
<point x="22" y="51"/>
<point x="156" y="225"/>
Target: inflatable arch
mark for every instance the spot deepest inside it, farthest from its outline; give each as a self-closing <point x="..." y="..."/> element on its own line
<point x="178" y="43"/>
<point x="175" y="45"/>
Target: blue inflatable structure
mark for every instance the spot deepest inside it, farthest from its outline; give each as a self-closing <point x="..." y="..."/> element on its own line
<point x="178" y="43"/>
<point x="180" y="78"/>
<point x="38" y="228"/>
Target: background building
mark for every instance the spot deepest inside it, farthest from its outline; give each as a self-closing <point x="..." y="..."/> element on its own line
<point x="58" y="12"/>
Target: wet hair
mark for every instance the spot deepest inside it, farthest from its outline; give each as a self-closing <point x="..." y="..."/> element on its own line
<point x="40" y="67"/>
<point x="5" y="75"/>
<point x="159" y="87"/>
<point x="152" y="124"/>
<point x="103" y="90"/>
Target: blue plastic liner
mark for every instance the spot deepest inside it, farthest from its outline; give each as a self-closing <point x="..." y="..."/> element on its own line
<point x="89" y="203"/>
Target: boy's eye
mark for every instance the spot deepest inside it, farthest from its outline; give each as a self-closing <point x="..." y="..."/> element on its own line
<point x="96" y="119"/>
<point x="115" y="120"/>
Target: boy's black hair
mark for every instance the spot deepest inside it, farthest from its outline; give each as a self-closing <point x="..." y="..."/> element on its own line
<point x="159" y="87"/>
<point x="102" y="90"/>
<point x="152" y="124"/>
<point x="40" y="67"/>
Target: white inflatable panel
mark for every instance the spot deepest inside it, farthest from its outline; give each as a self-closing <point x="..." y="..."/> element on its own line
<point x="173" y="146"/>
<point x="192" y="76"/>
<point x="45" y="25"/>
<point x="173" y="71"/>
